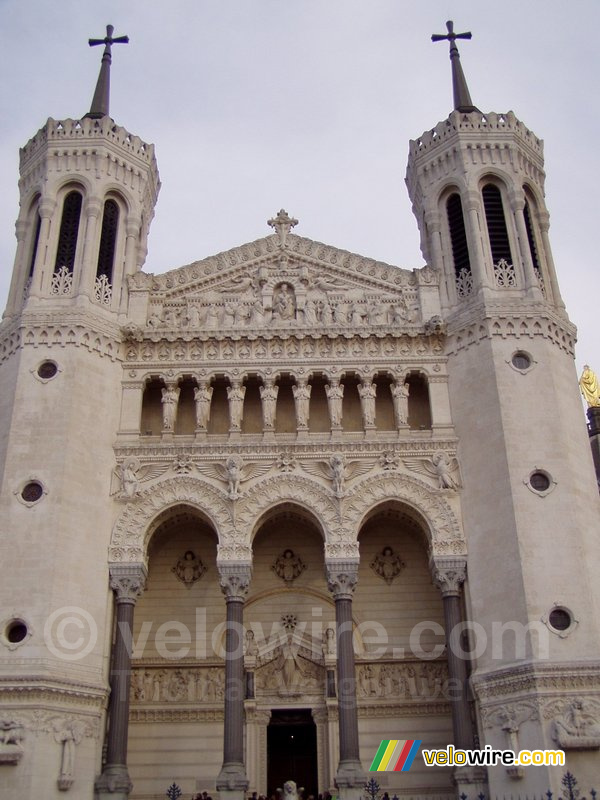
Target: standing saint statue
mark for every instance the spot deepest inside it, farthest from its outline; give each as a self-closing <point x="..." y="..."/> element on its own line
<point x="590" y="388"/>
<point x="235" y="395"/>
<point x="169" y="399"/>
<point x="268" y="396"/>
<point x="301" y="392"/>
<point x="335" y="395"/>
<point x="367" y="391"/>
<point x="202" y="398"/>
<point x="400" y="400"/>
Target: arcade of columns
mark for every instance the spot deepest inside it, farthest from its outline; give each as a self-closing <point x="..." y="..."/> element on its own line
<point x="127" y="582"/>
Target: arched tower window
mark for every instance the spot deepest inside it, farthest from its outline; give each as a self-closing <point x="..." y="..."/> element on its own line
<point x="460" y="248"/>
<point x="504" y="271"/>
<point x="67" y="237"/>
<point x="108" y="240"/>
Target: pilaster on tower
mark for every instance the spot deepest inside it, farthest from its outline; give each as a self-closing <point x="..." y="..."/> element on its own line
<point x="88" y="189"/>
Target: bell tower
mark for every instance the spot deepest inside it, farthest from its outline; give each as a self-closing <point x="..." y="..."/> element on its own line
<point x="87" y="194"/>
<point x="88" y="190"/>
<point x="476" y="182"/>
<point x="529" y="497"/>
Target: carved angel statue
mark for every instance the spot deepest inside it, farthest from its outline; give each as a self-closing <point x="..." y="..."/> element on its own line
<point x="387" y="564"/>
<point x="130" y="474"/>
<point x="439" y="466"/>
<point x="234" y="472"/>
<point x="590" y="387"/>
<point x="337" y="471"/>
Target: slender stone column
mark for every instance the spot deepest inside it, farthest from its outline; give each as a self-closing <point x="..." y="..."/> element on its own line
<point x="42" y="269"/>
<point x="232" y="781"/>
<point x="449" y="575"/>
<point x="544" y="223"/>
<point x="517" y="204"/>
<point x="472" y="207"/>
<point x="350" y="778"/>
<point x="127" y="582"/>
<point x="87" y="275"/>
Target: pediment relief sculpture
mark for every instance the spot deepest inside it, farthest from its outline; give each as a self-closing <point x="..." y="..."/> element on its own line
<point x="289" y="673"/>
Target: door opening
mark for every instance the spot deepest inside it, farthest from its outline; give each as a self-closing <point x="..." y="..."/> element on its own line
<point x="292" y="751"/>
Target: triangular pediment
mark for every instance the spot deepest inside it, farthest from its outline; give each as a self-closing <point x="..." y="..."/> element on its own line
<point x="300" y="283"/>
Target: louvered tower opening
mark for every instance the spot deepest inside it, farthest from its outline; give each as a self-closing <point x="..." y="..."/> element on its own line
<point x="108" y="240"/>
<point x="496" y="223"/>
<point x="69" y="228"/>
<point x="458" y="234"/>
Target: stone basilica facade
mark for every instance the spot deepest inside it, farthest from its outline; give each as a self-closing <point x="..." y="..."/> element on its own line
<point x="334" y="501"/>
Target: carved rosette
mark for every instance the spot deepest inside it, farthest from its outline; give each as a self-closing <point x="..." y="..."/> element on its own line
<point x="128" y="582"/>
<point x="342" y="578"/>
<point x="235" y="580"/>
<point x="449" y="574"/>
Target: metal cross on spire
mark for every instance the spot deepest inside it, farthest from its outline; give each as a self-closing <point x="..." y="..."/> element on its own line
<point x="101" y="100"/>
<point x="462" y="98"/>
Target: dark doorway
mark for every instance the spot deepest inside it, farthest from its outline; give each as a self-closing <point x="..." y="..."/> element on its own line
<point x="292" y="750"/>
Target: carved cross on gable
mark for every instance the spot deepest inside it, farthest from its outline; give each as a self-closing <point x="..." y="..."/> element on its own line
<point x="282" y="224"/>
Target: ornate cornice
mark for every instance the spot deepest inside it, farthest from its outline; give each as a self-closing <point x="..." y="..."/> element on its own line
<point x="509" y="320"/>
<point x="58" y="329"/>
<point x="179" y="280"/>
<point x="176" y="714"/>
<point x="530" y="679"/>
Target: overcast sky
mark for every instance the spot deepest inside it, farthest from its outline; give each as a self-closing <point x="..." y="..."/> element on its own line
<point x="254" y="105"/>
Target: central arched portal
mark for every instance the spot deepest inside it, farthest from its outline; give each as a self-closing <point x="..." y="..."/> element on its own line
<point x="288" y="612"/>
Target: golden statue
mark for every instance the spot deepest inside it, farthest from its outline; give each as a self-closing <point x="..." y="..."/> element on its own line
<point x="590" y="388"/>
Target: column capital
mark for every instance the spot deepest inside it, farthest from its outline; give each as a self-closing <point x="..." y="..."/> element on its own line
<point x="46" y="207"/>
<point x="128" y="581"/>
<point x="342" y="577"/>
<point x="93" y="206"/>
<point x="21" y="228"/>
<point x="449" y="574"/>
<point x="235" y="580"/>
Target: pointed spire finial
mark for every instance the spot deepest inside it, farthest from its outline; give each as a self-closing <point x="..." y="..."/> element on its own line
<point x="462" y="98"/>
<point x="101" y="100"/>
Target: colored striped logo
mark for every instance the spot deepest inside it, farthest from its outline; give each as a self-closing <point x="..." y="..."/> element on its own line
<point x="395" y="755"/>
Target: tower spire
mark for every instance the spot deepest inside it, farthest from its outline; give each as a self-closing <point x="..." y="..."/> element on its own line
<point x="462" y="98"/>
<point x="101" y="100"/>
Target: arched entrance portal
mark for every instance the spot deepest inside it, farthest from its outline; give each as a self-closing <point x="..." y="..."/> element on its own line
<point x="292" y="750"/>
<point x="401" y="665"/>
<point x="288" y="610"/>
